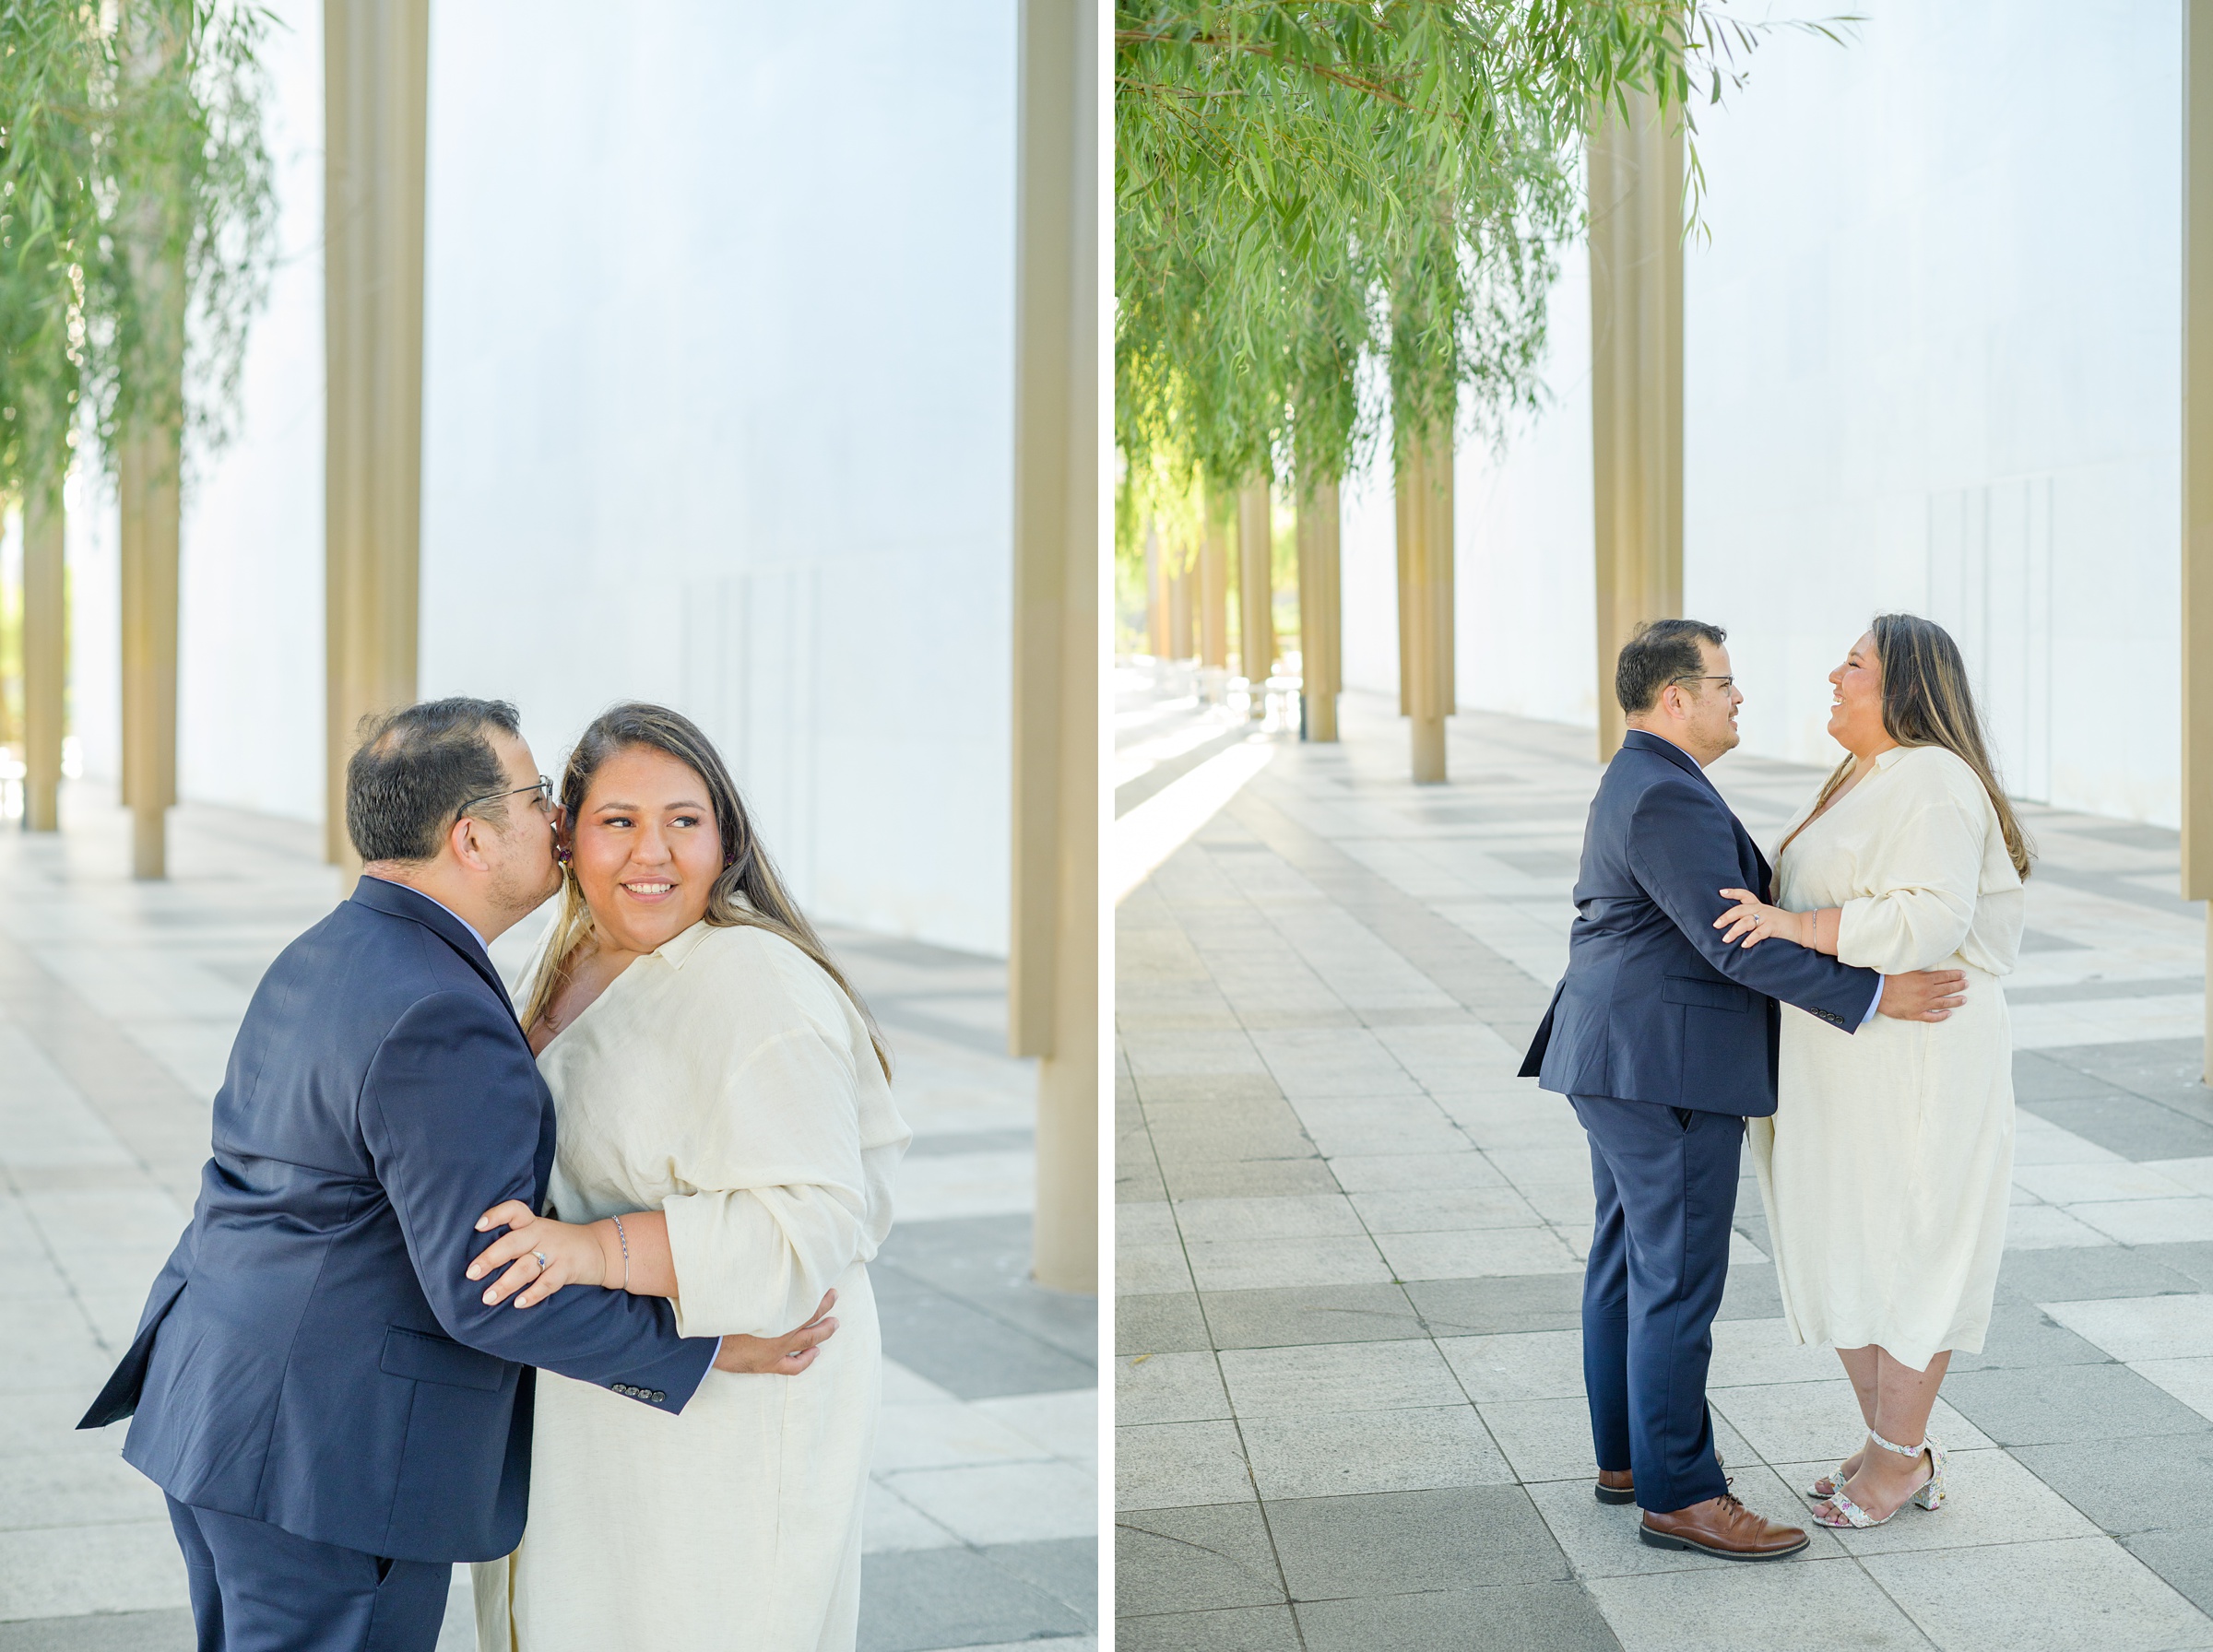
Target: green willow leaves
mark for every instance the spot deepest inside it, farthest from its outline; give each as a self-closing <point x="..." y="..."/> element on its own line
<point x="1302" y="186"/>
<point x="131" y="150"/>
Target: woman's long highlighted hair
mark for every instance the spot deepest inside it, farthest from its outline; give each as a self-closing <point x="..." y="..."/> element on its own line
<point x="749" y="892"/>
<point x="1927" y="700"/>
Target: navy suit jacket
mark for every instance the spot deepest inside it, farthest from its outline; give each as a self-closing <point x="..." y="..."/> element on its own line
<point x="311" y="1356"/>
<point x="1655" y="1006"/>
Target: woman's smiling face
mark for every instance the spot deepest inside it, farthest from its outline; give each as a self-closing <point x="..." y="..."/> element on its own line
<point x="645" y="849"/>
<point x="1855" y="712"/>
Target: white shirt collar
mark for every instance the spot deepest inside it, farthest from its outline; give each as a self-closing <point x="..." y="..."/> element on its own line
<point x="482" y="944"/>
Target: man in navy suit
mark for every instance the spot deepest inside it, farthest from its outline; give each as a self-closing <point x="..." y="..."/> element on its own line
<point x="1665" y="1038"/>
<point x="335" y="1414"/>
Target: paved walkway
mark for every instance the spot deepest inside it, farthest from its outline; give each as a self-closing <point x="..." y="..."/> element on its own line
<point x="118" y="1002"/>
<point x="1349" y="1388"/>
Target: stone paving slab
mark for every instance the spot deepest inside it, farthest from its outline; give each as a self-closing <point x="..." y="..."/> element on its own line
<point x="1350" y="1405"/>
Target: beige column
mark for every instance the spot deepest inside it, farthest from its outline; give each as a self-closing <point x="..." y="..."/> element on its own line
<point x="1060" y="569"/>
<point x="2197" y="469"/>
<point x="147" y="489"/>
<point x="148" y="459"/>
<point x="375" y="69"/>
<point x="45" y="656"/>
<point x="1180" y="617"/>
<point x="1214" y="588"/>
<point x="1427" y="685"/>
<point x="1157" y="596"/>
<point x="1636" y="381"/>
<point x="1256" y="593"/>
<point x="1319" y="626"/>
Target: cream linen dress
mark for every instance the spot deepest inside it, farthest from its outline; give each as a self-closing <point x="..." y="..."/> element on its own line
<point x="1887" y="1167"/>
<point x="726" y="1081"/>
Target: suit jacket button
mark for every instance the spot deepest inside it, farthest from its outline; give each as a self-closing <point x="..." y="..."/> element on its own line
<point x="658" y="1394"/>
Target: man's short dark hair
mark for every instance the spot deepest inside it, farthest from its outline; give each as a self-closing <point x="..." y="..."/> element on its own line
<point x="415" y="769"/>
<point x="1658" y="654"/>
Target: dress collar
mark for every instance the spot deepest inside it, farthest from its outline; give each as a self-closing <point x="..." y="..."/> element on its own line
<point x="678" y="952"/>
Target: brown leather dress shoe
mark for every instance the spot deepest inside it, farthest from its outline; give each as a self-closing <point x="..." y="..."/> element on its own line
<point x="1721" y="1526"/>
<point x="1615" y="1485"/>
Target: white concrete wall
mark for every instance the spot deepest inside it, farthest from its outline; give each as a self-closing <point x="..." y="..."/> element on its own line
<point x="719" y="378"/>
<point x="250" y="596"/>
<point x="718" y="412"/>
<point x="1932" y="364"/>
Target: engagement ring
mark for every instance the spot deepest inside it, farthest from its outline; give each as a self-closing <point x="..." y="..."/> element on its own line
<point x="542" y="1263"/>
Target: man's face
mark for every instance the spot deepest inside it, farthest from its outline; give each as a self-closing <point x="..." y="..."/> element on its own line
<point x="519" y="843"/>
<point x="1708" y="707"/>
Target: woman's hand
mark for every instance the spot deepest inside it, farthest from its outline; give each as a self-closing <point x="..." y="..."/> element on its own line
<point x="780" y="1356"/>
<point x="572" y="1255"/>
<point x="1756" y="921"/>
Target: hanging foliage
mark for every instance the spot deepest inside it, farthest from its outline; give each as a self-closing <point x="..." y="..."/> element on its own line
<point x="130" y="147"/>
<point x="1299" y="186"/>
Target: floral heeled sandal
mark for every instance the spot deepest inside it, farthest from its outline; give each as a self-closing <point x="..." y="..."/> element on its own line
<point x="1849" y="1513"/>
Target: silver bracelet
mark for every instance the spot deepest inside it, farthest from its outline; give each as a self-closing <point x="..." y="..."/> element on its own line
<point x="624" y="1238"/>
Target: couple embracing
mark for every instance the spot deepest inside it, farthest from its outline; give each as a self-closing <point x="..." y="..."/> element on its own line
<point x="1894" y="905"/>
<point x="464" y="1285"/>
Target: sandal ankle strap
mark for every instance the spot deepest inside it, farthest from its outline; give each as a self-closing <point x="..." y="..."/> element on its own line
<point x="1893" y="1445"/>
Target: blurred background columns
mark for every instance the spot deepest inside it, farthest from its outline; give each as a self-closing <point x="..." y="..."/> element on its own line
<point x="1054" y="972"/>
<point x="1636" y="381"/>
<point x="376" y="61"/>
<point x="45" y="657"/>
<point x="1181" y="619"/>
<point x="1213" y="586"/>
<point x="1157" y="610"/>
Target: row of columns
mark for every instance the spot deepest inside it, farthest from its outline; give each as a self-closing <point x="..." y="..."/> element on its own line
<point x="1188" y="605"/>
<point x="376" y="84"/>
<point x="1636" y="251"/>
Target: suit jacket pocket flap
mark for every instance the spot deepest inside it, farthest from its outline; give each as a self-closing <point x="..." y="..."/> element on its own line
<point x="430" y="1359"/>
<point x="1707" y="995"/>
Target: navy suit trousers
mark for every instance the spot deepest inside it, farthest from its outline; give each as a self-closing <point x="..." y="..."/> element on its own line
<point x="257" y="1588"/>
<point x="1666" y="1184"/>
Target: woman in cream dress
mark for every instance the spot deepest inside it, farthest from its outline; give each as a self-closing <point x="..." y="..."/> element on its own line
<point x="727" y="1138"/>
<point x="1887" y="1169"/>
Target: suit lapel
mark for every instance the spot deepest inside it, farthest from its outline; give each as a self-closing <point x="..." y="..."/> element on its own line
<point x="395" y="899"/>
<point x="1752" y="863"/>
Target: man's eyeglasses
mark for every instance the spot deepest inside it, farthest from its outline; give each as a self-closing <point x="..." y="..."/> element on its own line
<point x="544" y="788"/>
<point x="1726" y="682"/>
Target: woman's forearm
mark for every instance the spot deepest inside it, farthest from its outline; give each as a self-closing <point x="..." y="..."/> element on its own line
<point x="650" y="1270"/>
<point x="1821" y="928"/>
